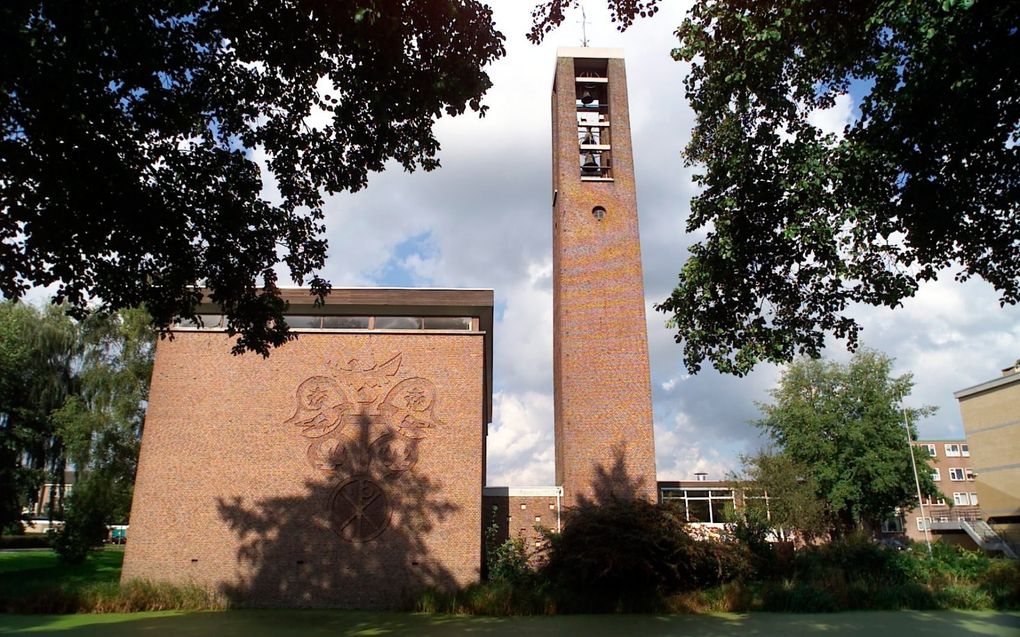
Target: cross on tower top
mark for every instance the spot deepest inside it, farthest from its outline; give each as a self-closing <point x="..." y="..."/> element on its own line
<point x="584" y="22"/>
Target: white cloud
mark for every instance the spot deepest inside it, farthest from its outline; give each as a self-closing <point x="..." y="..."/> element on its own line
<point x="523" y="335"/>
<point x="521" y="448"/>
<point x="833" y="120"/>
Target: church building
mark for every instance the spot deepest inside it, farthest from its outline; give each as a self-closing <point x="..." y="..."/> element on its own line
<point x="347" y="469"/>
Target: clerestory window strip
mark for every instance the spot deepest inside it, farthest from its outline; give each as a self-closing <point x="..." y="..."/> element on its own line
<point x="313" y="322"/>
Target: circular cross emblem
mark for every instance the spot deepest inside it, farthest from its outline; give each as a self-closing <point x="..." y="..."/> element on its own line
<point x="359" y="509"/>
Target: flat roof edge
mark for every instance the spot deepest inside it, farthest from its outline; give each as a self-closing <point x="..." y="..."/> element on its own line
<point x="522" y="491"/>
<point x="465" y="297"/>
<point x="589" y="52"/>
<point x="988" y="384"/>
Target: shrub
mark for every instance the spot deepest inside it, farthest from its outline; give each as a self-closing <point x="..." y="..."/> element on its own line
<point x="490" y="598"/>
<point x="752" y="529"/>
<point x="507" y="561"/>
<point x="802" y="597"/>
<point x="27" y="541"/>
<point x="85" y="515"/>
<point x="1002" y="583"/>
<point x="628" y="555"/>
<point x="854" y="556"/>
<point x="955" y="563"/>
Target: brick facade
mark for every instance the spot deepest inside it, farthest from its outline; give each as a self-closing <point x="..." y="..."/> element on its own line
<point x="345" y="470"/>
<point x="601" y="376"/>
<point x="950" y="462"/>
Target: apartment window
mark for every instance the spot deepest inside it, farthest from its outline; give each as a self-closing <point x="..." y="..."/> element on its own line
<point x="965" y="450"/>
<point x="941" y="502"/>
<point x="970" y="473"/>
<point x="956" y="474"/>
<point x="892" y="525"/>
<point x="953" y="451"/>
<point x="936" y="475"/>
<point x="973" y="499"/>
<point x="921" y="523"/>
<point x="961" y="498"/>
<point x="931" y="450"/>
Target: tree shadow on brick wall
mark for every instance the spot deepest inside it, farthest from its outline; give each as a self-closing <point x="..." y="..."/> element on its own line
<point x="613" y="481"/>
<point x="356" y="537"/>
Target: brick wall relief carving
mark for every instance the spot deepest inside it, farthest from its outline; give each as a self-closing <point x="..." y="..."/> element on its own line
<point x="365" y="426"/>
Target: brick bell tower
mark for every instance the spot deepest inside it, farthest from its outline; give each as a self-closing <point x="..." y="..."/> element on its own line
<point x="601" y="377"/>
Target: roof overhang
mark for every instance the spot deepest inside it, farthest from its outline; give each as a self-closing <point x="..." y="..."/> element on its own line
<point x="987" y="385"/>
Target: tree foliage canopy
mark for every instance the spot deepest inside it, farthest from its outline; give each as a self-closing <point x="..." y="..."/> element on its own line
<point x="802" y="224"/>
<point x="844" y="426"/>
<point x="782" y="495"/>
<point x="130" y="130"/>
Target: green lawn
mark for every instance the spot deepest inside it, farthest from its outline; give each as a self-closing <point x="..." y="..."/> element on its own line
<point x="23" y="572"/>
<point x="309" y="623"/>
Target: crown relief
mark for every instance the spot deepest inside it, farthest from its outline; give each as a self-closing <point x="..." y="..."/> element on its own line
<point x="363" y="398"/>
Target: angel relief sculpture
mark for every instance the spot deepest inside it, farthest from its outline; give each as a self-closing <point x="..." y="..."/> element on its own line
<point x="365" y="425"/>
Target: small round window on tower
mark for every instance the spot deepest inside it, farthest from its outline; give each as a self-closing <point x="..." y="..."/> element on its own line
<point x="599" y="213"/>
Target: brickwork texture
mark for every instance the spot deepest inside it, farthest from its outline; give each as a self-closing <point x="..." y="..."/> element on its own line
<point x="601" y="376"/>
<point x="344" y="470"/>
<point x="522" y="517"/>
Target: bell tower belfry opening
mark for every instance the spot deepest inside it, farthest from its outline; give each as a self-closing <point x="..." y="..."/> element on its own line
<point x="601" y="377"/>
<point x="593" y="118"/>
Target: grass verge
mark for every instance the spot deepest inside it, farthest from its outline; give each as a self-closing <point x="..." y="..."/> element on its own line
<point x="37" y="582"/>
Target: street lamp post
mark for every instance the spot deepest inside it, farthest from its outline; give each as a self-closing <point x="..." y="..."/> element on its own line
<point x="917" y="481"/>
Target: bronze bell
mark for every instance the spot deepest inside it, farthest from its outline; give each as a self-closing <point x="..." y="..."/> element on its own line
<point x="590" y="167"/>
<point x="588" y="94"/>
<point x="589" y="139"/>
